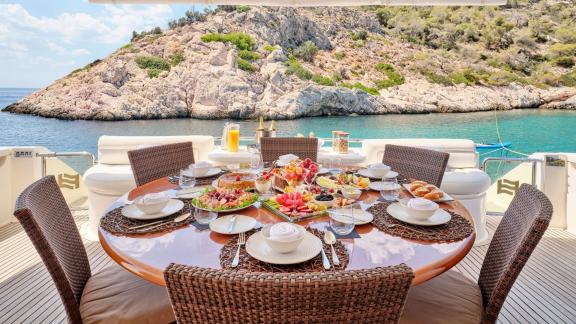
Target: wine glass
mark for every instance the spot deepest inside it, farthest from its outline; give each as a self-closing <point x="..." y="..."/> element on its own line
<point x="335" y="165"/>
<point x="256" y="163"/>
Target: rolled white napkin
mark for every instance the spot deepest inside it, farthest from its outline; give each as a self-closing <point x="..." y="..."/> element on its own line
<point x="421" y="204"/>
<point x="200" y="165"/>
<point x="378" y="166"/>
<point x="153" y="198"/>
<point x="284" y="232"/>
<point x="288" y="158"/>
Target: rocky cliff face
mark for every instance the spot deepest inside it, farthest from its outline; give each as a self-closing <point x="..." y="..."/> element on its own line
<point x="206" y="82"/>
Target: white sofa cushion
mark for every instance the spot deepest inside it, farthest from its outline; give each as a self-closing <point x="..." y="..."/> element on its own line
<point x="113" y="149"/>
<point x="110" y="180"/>
<point x="465" y="182"/>
<point x="462" y="152"/>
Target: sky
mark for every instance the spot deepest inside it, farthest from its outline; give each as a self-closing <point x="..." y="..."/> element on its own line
<point x="44" y="40"/>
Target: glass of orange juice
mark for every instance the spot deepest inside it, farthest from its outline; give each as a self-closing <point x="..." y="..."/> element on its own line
<point x="233" y="140"/>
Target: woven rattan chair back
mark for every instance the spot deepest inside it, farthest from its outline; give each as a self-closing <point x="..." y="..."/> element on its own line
<point x="416" y="163"/>
<point x="42" y="211"/>
<point x="201" y="295"/>
<point x="274" y="147"/>
<point x="152" y="163"/>
<point x="519" y="232"/>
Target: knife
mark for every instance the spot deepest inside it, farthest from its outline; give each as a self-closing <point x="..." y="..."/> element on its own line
<point x="232" y="223"/>
<point x="325" y="261"/>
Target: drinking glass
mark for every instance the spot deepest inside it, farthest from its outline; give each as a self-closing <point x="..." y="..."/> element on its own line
<point x="204" y="216"/>
<point x="187" y="179"/>
<point x="390" y="189"/>
<point x="256" y="163"/>
<point x="263" y="186"/>
<point x="342" y="220"/>
<point x="335" y="165"/>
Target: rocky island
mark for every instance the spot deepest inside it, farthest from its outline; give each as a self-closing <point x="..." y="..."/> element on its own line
<point x="282" y="63"/>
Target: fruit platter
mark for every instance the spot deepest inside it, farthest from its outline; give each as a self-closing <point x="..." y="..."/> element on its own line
<point x="297" y="206"/>
<point x="294" y="174"/>
<point x="224" y="200"/>
<point x="339" y="181"/>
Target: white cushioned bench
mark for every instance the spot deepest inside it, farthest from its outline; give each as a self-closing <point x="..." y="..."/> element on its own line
<point x="112" y="176"/>
<point x="463" y="179"/>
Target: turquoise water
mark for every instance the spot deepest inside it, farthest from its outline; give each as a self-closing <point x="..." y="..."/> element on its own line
<point x="528" y="130"/>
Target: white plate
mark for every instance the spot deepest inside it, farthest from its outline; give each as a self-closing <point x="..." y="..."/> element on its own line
<point x="259" y="249"/>
<point x="445" y="198"/>
<point x="241" y="224"/>
<point x="378" y="186"/>
<point x="210" y="173"/>
<point x="368" y="174"/>
<point x="400" y="213"/>
<point x="173" y="206"/>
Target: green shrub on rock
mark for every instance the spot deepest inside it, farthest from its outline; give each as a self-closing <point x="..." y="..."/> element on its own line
<point x="177" y="58"/>
<point x="568" y="79"/>
<point x="306" y="51"/>
<point x="566" y="35"/>
<point x="563" y="49"/>
<point x="564" y="61"/>
<point x="243" y="64"/>
<point x="295" y="68"/>
<point x="270" y="48"/>
<point x="360" y="86"/>
<point x="323" y="80"/>
<point x="248" y="55"/>
<point x="242" y="41"/>
<point x="152" y="62"/>
<point x="393" y="78"/>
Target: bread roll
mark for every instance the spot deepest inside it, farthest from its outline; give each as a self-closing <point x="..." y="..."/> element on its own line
<point x="421" y="192"/>
<point x="417" y="184"/>
<point x="434" y="195"/>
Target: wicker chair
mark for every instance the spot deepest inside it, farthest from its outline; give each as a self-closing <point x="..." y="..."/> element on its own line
<point x="112" y="295"/>
<point x="416" y="163"/>
<point x="201" y="295"/>
<point x="453" y="298"/>
<point x="152" y="163"/>
<point x="274" y="147"/>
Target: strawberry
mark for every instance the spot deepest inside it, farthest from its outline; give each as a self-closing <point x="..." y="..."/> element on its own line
<point x="238" y="178"/>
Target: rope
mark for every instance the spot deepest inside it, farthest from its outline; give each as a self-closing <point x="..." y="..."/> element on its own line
<point x="500" y="138"/>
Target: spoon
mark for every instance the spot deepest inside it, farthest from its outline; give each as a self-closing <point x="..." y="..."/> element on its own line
<point x="330" y="239"/>
<point x="158" y="223"/>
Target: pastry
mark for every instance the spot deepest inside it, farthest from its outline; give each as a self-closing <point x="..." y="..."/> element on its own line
<point x="416" y="184"/>
<point x="434" y="195"/>
<point x="421" y="192"/>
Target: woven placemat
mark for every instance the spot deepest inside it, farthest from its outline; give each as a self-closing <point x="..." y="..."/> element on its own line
<point x="458" y="228"/>
<point x="115" y="223"/>
<point x="249" y="264"/>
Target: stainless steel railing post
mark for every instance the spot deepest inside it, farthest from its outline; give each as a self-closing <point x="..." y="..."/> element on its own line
<point x="63" y="154"/>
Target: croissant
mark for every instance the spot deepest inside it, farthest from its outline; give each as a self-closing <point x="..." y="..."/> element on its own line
<point x="421" y="192"/>
<point x="417" y="184"/>
<point x="434" y="195"/>
<point x="431" y="187"/>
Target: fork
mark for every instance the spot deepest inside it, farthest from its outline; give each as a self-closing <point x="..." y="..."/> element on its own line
<point x="241" y="241"/>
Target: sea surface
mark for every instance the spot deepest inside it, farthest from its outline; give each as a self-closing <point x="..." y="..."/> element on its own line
<point x="529" y="130"/>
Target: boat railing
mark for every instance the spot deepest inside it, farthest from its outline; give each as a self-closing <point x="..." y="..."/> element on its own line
<point x="534" y="162"/>
<point x="44" y="156"/>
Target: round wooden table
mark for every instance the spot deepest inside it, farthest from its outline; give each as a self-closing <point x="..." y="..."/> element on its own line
<point x="147" y="255"/>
